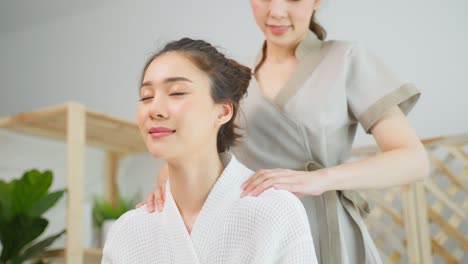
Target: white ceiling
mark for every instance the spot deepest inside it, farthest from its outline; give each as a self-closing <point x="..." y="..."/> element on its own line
<point x="20" y="15"/>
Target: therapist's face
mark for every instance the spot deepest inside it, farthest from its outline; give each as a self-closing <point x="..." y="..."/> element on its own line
<point x="177" y="116"/>
<point x="284" y="22"/>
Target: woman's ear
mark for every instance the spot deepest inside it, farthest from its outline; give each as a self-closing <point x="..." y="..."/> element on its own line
<point x="225" y="113"/>
<point x="317" y="4"/>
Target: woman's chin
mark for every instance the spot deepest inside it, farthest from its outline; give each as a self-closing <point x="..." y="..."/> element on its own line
<point x="159" y="153"/>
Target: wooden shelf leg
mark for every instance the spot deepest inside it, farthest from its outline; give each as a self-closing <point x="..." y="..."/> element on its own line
<point x="416" y="224"/>
<point x="111" y="191"/>
<point x="76" y="140"/>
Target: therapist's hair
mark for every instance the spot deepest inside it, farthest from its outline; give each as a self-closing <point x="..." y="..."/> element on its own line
<point x="315" y="27"/>
<point x="229" y="80"/>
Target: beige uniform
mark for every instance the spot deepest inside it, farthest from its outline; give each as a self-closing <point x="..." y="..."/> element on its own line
<point x="312" y="124"/>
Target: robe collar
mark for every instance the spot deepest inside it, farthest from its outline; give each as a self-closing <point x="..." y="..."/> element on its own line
<point x="226" y="191"/>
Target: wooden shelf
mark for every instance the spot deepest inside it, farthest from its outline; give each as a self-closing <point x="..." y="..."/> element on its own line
<point x="78" y="127"/>
<point x="102" y="131"/>
<point x="91" y="255"/>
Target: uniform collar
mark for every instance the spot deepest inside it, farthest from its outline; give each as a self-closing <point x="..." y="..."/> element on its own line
<point x="309" y="44"/>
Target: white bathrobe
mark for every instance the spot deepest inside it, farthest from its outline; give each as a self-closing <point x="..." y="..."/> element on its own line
<point x="271" y="228"/>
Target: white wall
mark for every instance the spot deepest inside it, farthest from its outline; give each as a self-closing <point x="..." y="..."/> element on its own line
<point x="95" y="57"/>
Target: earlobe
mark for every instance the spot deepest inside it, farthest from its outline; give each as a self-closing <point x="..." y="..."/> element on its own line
<point x="317" y="4"/>
<point x="225" y="113"/>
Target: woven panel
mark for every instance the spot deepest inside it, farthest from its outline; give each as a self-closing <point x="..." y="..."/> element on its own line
<point x="447" y="206"/>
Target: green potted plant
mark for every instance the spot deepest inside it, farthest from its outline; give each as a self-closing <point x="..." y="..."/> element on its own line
<point x="105" y="212"/>
<point x="22" y="203"/>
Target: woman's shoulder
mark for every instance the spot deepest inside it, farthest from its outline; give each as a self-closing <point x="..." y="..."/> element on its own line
<point x="276" y="214"/>
<point x="271" y="199"/>
<point x="276" y="204"/>
<point x="283" y="200"/>
<point x="135" y="218"/>
<point x="137" y="213"/>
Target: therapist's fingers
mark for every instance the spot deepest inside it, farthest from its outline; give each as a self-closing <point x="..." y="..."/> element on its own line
<point x="140" y="204"/>
<point x="150" y="202"/>
<point x="294" y="188"/>
<point x="160" y="197"/>
<point x="258" y="178"/>
<point x="274" y="178"/>
<point x="253" y="181"/>
<point x="253" y="178"/>
<point x="160" y="194"/>
<point x="299" y="195"/>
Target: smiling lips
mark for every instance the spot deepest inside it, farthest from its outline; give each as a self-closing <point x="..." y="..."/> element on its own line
<point x="278" y="30"/>
<point x="159" y="132"/>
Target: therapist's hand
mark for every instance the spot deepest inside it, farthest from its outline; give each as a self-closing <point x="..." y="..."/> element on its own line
<point x="157" y="198"/>
<point x="300" y="183"/>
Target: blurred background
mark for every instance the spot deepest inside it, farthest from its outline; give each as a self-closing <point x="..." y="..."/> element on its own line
<point x="92" y="52"/>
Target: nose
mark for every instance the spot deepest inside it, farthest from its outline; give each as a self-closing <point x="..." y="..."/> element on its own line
<point x="158" y="109"/>
<point x="278" y="9"/>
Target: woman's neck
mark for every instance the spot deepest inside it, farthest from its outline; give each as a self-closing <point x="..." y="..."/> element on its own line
<point x="191" y="181"/>
<point x="278" y="54"/>
<point x="275" y="53"/>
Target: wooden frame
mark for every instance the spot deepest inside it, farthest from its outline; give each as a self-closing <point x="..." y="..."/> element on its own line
<point x="78" y="126"/>
<point x="410" y="209"/>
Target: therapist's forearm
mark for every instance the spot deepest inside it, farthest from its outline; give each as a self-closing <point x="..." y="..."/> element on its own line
<point x="388" y="169"/>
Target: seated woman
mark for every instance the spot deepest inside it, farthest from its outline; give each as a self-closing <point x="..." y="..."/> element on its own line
<point x="189" y="98"/>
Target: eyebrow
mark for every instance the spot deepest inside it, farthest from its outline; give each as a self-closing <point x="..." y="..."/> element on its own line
<point x="168" y="80"/>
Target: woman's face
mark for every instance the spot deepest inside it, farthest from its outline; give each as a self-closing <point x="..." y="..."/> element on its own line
<point x="176" y="113"/>
<point x="284" y="22"/>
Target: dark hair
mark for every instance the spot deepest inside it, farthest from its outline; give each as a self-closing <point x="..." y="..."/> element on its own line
<point x="317" y="28"/>
<point x="229" y="79"/>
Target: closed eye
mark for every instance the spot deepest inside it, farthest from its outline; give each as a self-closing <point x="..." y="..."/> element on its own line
<point x="177" y="94"/>
<point x="146" y="98"/>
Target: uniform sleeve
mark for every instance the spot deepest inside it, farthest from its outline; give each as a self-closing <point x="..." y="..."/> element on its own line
<point x="372" y="89"/>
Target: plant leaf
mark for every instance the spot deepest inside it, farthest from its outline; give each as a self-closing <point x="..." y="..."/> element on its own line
<point x="19" y="232"/>
<point x="28" y="190"/>
<point x="5" y="203"/>
<point x="38" y="247"/>
<point x="45" y="203"/>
